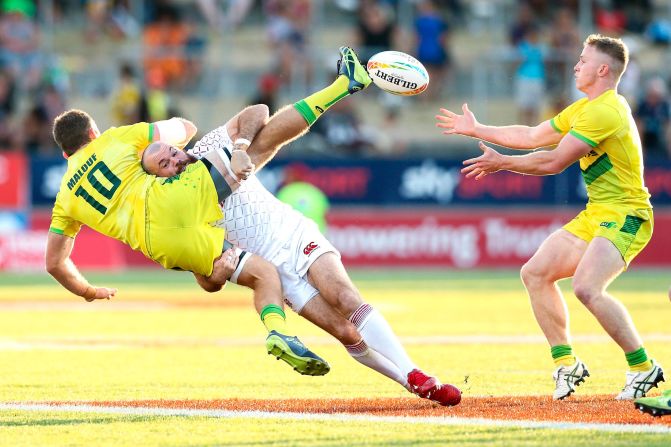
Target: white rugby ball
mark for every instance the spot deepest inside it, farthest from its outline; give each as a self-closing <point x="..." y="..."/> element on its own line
<point x="398" y="73"/>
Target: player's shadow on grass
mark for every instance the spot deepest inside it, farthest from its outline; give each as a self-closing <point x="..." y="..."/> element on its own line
<point x="63" y="421"/>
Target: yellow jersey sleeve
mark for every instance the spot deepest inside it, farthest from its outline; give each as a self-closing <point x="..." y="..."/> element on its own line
<point x="61" y="223"/>
<point x="562" y="121"/>
<point x="138" y="135"/>
<point x="595" y="123"/>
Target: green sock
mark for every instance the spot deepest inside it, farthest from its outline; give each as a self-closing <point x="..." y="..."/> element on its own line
<point x="562" y="355"/>
<point x="274" y="319"/>
<point x="312" y="107"/>
<point x="638" y="360"/>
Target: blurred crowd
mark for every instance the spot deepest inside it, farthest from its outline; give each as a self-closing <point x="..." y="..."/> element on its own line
<point x="543" y="39"/>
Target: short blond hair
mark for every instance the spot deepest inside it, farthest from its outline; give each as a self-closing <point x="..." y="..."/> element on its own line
<point x="613" y="47"/>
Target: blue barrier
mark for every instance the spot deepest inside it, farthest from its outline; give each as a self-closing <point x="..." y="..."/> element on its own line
<point x="401" y="182"/>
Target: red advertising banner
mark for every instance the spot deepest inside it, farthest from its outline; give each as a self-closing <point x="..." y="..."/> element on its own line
<point x="14" y="180"/>
<point x="23" y="251"/>
<point x="374" y="238"/>
<point x="461" y="239"/>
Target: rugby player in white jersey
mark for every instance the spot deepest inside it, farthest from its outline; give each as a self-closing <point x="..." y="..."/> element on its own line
<point x="314" y="280"/>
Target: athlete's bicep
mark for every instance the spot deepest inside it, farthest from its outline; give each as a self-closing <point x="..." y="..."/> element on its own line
<point x="570" y="150"/>
<point x="545" y="135"/>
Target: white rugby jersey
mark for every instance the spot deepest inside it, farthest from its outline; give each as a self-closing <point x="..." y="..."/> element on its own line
<point x="254" y="219"/>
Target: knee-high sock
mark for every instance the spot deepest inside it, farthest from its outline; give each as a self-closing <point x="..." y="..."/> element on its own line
<point x="374" y="360"/>
<point x="378" y="335"/>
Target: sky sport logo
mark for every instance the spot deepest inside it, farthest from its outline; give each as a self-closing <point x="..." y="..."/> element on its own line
<point x="310" y="248"/>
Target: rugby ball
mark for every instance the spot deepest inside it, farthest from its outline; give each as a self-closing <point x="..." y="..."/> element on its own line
<point x="398" y="73"/>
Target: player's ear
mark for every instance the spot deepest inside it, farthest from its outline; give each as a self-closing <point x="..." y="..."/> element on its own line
<point x="604" y="69"/>
<point x="66" y="156"/>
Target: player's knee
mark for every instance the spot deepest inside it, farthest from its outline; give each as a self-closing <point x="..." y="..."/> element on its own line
<point x="347" y="334"/>
<point x="586" y="291"/>
<point x="530" y="275"/>
<point x="346" y="300"/>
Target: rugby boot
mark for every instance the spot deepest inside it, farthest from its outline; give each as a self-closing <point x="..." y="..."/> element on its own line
<point x="429" y="387"/>
<point x="349" y="66"/>
<point x="638" y="383"/>
<point x="567" y="378"/>
<point x="296" y="354"/>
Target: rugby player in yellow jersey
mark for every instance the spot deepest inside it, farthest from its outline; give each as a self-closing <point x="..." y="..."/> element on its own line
<point x="169" y="220"/>
<point x="106" y="189"/>
<point x="599" y="243"/>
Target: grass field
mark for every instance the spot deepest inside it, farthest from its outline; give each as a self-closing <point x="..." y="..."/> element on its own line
<point x="166" y="364"/>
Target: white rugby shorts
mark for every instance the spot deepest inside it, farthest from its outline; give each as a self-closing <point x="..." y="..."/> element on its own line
<point x="301" y="249"/>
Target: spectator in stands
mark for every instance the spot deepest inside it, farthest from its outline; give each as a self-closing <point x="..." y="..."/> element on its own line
<point x="126" y="99"/>
<point x="19" y="42"/>
<point x="155" y="101"/>
<point x="521" y="25"/>
<point x="343" y="131"/>
<point x="7" y="109"/>
<point x="165" y="41"/>
<point x="564" y="39"/>
<point x="530" y="76"/>
<point x="121" y="23"/>
<point x="376" y="29"/>
<point x="609" y="20"/>
<point x="431" y="31"/>
<point x="35" y="135"/>
<point x="266" y="93"/>
<point x="110" y="16"/>
<point x="653" y="118"/>
<point x="390" y="137"/>
<point x="287" y="30"/>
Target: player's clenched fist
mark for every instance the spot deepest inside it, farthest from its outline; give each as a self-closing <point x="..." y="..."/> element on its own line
<point x="98" y="293"/>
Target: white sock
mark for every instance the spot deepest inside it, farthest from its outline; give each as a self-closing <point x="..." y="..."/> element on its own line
<point x="374" y="360"/>
<point x="378" y="335"/>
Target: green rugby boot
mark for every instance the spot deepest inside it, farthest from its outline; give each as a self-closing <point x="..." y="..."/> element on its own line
<point x="349" y="66"/>
<point x="656" y="406"/>
<point x="293" y="352"/>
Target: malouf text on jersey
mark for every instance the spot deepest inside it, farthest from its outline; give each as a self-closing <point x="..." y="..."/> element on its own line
<point x="81" y="171"/>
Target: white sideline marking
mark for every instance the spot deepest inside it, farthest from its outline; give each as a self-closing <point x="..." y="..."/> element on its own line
<point x="340" y="417"/>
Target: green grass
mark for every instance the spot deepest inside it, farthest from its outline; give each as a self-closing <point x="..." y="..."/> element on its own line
<point x="162" y="338"/>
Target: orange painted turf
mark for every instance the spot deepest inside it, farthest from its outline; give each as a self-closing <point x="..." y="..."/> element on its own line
<point x="585" y="409"/>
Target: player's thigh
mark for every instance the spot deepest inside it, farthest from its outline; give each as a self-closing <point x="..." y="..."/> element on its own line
<point x="328" y="275"/>
<point x="599" y="266"/>
<point x="323" y="315"/>
<point x="557" y="257"/>
<point x="257" y="271"/>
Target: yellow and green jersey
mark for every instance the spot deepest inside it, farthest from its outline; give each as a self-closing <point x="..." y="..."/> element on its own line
<point x="613" y="170"/>
<point x="105" y="186"/>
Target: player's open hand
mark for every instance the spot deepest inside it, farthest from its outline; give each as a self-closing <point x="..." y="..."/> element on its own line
<point x="101" y="293"/>
<point x="241" y="164"/>
<point x="487" y="163"/>
<point x="457" y="124"/>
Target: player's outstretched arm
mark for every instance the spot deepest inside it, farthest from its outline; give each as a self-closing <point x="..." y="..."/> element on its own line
<point x="60" y="266"/>
<point x="514" y="137"/>
<point x="542" y="162"/>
